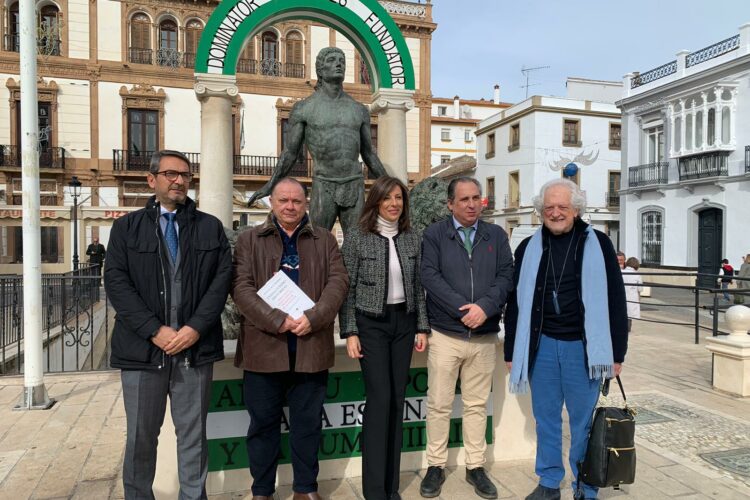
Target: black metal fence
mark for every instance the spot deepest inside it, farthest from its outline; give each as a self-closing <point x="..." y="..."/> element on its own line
<point x="690" y="300"/>
<point x="76" y="322"/>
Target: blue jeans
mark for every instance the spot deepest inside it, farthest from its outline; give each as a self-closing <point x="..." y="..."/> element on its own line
<point x="560" y="375"/>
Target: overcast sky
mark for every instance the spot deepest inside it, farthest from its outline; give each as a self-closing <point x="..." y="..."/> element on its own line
<point x="479" y="43"/>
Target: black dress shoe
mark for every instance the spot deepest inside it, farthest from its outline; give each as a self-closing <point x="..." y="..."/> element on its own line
<point x="432" y="482"/>
<point x="544" y="493"/>
<point x="481" y="483"/>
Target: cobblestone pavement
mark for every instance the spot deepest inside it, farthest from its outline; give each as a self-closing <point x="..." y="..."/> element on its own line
<point x="692" y="442"/>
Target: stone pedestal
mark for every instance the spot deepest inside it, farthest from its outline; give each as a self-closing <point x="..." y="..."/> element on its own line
<point x="392" y="105"/>
<point x="731" y="367"/>
<point x="215" y="93"/>
<point x="512" y="427"/>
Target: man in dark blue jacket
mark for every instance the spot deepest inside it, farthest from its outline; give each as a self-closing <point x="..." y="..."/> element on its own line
<point x="168" y="273"/>
<point x="467" y="271"/>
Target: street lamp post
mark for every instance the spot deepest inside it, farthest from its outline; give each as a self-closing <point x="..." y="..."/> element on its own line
<point x="75" y="192"/>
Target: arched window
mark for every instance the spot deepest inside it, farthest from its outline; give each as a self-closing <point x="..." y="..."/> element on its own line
<point x="168" y="54"/>
<point x="140" y="39"/>
<point x="247" y="62"/>
<point x="193" y="31"/>
<point x="269" y="64"/>
<point x="294" y="67"/>
<point x="711" y="132"/>
<point x="651" y="237"/>
<point x="49" y="31"/>
<point x="11" y="38"/>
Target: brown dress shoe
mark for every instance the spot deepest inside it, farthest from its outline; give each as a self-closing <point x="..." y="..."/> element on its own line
<point x="307" y="496"/>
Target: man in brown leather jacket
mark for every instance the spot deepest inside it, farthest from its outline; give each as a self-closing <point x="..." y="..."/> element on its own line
<point x="286" y="360"/>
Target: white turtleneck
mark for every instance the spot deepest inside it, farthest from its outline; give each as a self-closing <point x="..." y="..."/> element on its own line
<point x="396" y="293"/>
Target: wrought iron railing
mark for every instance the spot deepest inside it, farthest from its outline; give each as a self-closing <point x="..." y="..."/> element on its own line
<point x="139" y="161"/>
<point x="247" y="66"/>
<point x="76" y="322"/>
<point x="49" y="46"/>
<point x="364" y="73"/>
<point x="294" y="70"/>
<point x="12" y="43"/>
<point x="188" y="59"/>
<point x="171" y="58"/>
<point x="138" y="55"/>
<point x="654" y="74"/>
<point x="265" y="165"/>
<point x="704" y="165"/>
<point x="649" y="174"/>
<point x="715" y="50"/>
<point x="747" y="159"/>
<point x="613" y="198"/>
<point x="10" y="156"/>
<point x="270" y="67"/>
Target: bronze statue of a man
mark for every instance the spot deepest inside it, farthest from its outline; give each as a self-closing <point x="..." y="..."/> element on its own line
<point x="336" y="129"/>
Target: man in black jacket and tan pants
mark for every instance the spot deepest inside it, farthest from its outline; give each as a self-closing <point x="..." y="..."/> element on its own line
<point x="168" y="273"/>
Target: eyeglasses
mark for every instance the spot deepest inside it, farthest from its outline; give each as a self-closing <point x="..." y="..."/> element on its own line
<point x="172" y="175"/>
<point x="563" y="209"/>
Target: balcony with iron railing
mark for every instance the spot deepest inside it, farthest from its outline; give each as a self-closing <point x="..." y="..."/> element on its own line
<point x="705" y="165"/>
<point x="10" y="156"/>
<point x="49" y="46"/>
<point x="613" y="199"/>
<point x="138" y="55"/>
<point x="124" y="160"/>
<point x="648" y="174"/>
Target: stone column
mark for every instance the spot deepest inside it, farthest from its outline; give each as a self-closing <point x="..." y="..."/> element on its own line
<point x="717" y="116"/>
<point x="670" y="114"/>
<point x="392" y="105"/>
<point x="731" y="366"/>
<point x="215" y="93"/>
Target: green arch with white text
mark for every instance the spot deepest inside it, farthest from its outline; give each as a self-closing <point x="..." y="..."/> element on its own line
<point x="364" y="22"/>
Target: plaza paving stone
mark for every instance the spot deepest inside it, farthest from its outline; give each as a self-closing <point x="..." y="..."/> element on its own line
<point x="692" y="442"/>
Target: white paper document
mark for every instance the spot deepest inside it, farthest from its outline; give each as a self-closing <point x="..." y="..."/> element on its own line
<point x="282" y="293"/>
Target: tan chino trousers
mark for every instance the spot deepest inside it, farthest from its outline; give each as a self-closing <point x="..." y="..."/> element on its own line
<point x="473" y="360"/>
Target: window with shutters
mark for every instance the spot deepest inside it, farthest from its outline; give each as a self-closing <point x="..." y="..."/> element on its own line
<point x="193" y="31"/>
<point x="168" y="54"/>
<point x="294" y="67"/>
<point x="571" y="133"/>
<point x="140" y="39"/>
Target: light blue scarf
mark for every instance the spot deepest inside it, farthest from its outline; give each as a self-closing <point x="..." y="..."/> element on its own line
<point x="596" y="305"/>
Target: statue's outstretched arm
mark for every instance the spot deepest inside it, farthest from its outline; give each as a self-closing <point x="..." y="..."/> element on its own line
<point x="369" y="156"/>
<point x="295" y="137"/>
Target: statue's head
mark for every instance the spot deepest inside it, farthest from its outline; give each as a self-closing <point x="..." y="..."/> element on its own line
<point x="329" y="58"/>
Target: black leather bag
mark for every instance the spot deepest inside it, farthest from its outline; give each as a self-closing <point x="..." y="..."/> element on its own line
<point x="610" y="456"/>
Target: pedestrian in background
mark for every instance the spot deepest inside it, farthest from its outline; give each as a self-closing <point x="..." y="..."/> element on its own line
<point x="383" y="319"/>
<point x="633" y="289"/>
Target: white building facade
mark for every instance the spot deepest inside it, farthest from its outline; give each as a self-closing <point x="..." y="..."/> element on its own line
<point x="545" y="138"/>
<point x="454" y="123"/>
<point x="686" y="159"/>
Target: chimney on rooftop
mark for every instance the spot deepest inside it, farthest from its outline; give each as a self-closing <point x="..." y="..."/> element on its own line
<point x="496" y="94"/>
<point x="456" y="108"/>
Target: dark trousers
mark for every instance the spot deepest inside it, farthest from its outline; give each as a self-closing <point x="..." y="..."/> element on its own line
<point x="145" y="395"/>
<point x="265" y="395"/>
<point x="387" y="345"/>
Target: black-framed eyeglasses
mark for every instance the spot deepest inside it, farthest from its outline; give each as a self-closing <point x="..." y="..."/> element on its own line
<point x="172" y="175"/>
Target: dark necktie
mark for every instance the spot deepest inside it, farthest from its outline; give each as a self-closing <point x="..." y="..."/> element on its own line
<point x="171" y="235"/>
<point x="467" y="238"/>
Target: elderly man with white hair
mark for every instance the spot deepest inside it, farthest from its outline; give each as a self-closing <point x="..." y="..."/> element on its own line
<point x="566" y="328"/>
